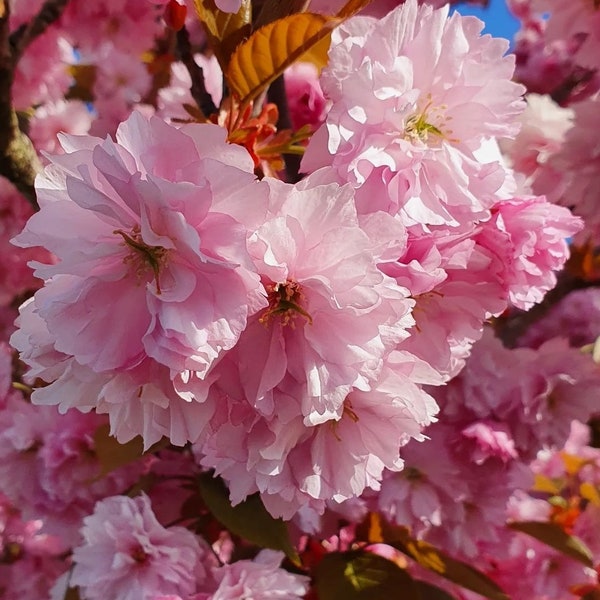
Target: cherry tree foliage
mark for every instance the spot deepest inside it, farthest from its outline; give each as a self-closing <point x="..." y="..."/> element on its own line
<point x="298" y="300"/>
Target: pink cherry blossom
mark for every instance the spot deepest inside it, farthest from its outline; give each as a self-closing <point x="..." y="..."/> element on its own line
<point x="49" y="467"/>
<point x="306" y="102"/>
<point x="15" y="275"/>
<point x="544" y="125"/>
<point x="528" y="237"/>
<point x="31" y="560"/>
<point x="130" y="25"/>
<point x="151" y="244"/>
<point x="259" y="579"/>
<point x="50" y="119"/>
<point x="577" y="316"/>
<point x="230" y="6"/>
<point x="579" y="163"/>
<point x="410" y="141"/>
<point x="295" y="466"/>
<point x="127" y="554"/>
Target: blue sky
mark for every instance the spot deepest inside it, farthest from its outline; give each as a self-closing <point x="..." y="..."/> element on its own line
<point x="498" y="20"/>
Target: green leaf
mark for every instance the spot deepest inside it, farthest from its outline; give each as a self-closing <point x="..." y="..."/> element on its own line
<point x="270" y="50"/>
<point x="249" y="519"/>
<point x="361" y="575"/>
<point x="552" y="535"/>
<point x="224" y="30"/>
<point x="376" y="530"/>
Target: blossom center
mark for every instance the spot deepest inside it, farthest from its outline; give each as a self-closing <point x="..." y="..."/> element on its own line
<point x="138" y="554"/>
<point x="285" y="300"/>
<point x="13" y="551"/>
<point x="143" y="256"/>
<point x="347" y="412"/>
<point x="428" y="124"/>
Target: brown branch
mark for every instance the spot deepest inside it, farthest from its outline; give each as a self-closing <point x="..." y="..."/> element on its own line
<point x="18" y="160"/>
<point x="199" y="93"/>
<point x="278" y="96"/>
<point x="21" y="38"/>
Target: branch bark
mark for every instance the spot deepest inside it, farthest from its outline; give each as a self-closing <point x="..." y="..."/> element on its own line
<point x="19" y="162"/>
<point x="199" y="93"/>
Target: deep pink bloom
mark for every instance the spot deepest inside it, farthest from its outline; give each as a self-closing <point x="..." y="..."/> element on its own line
<point x="305" y="99"/>
<point x="31" y="560"/>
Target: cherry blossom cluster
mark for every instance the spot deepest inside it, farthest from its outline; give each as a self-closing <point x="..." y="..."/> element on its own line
<point x="348" y="340"/>
<point x="299" y="320"/>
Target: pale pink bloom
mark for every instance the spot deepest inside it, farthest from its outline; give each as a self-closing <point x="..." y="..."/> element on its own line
<point x="296" y="466"/>
<point x="549" y="66"/>
<point x="566" y="20"/>
<point x="259" y="579"/>
<point x="127" y="554"/>
<point x="52" y="118"/>
<point x="579" y="163"/>
<point x="150" y="243"/>
<point x="563" y="387"/>
<point x="407" y="116"/>
<point x="544" y="125"/>
<point x="528" y="238"/>
<point x="331" y="315"/>
<point x="141" y="401"/>
<point x="455" y="290"/>
<point x="377" y="8"/>
<point x="305" y="99"/>
<point x="230" y="6"/>
<point x="536" y="393"/>
<point x="119" y="75"/>
<point x="492" y="439"/>
<point x="535" y="570"/>
<point x="431" y="483"/>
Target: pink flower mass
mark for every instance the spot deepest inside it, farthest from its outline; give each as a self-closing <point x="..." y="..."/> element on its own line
<point x="289" y="322"/>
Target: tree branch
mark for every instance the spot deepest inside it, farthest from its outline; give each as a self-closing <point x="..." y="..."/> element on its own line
<point x="199" y="93"/>
<point x="21" y="38"/>
<point x="18" y="160"/>
<point x="278" y="96"/>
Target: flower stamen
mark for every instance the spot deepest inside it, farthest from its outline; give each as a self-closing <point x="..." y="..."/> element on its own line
<point x="285" y="300"/>
<point x="143" y="254"/>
